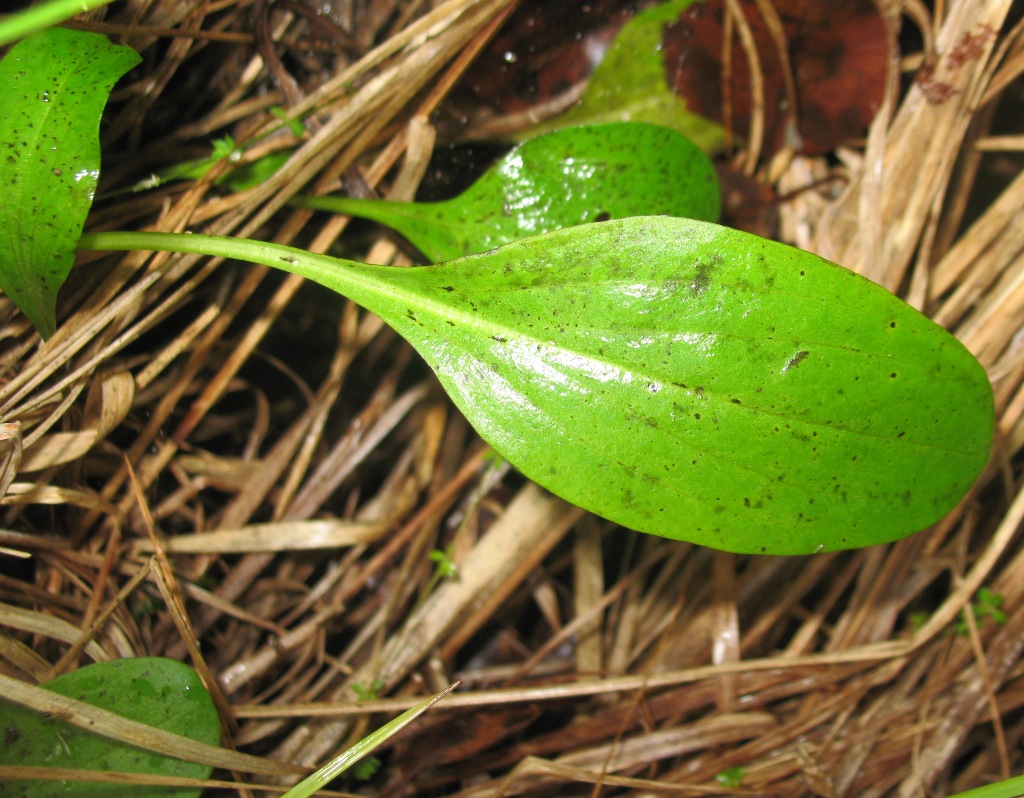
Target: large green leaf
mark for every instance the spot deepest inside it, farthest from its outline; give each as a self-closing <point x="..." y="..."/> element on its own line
<point x="155" y="691"/>
<point x="560" y="179"/>
<point x="685" y="379"/>
<point x="53" y="86"/>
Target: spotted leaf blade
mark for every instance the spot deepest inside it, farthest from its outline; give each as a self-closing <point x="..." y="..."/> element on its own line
<point x="53" y="87"/>
<point x="685" y="379"/>
<point x="703" y="384"/>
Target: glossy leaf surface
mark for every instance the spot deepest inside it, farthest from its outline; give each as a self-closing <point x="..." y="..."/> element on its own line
<point x="53" y="87"/>
<point x="700" y="383"/>
<point x="158" y="692"/>
<point x="558" y="180"/>
<point x="685" y="379"/>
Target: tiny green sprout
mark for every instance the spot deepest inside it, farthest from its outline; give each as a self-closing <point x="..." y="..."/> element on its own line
<point x="731" y="777"/>
<point x="368" y="693"/>
<point x="988" y="604"/>
<point x="446" y="568"/>
<point x="366" y="769"/>
<point x="224" y="148"/>
<point x="295" y="126"/>
<point x="918" y="619"/>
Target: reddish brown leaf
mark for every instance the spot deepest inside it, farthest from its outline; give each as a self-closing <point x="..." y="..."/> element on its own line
<point x="837" y="52"/>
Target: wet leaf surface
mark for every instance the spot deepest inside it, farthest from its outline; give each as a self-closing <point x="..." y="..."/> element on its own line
<point x="684" y="379"/>
<point x="557" y="180"/>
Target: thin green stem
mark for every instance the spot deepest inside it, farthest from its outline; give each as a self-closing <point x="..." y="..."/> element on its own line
<point x="357" y="281"/>
<point x="18" y="26"/>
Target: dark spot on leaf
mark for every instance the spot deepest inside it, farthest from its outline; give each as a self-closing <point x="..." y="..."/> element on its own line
<point x="603" y="216"/>
<point x="795" y="361"/>
<point x="702" y="279"/>
<point x="448" y="288"/>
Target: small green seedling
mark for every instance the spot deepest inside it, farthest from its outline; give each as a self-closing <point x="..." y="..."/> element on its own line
<point x="987" y="604"/>
<point x="158" y="692"/>
<point x="561" y="179"/>
<point x="731" y="777"/>
<point x="369" y="692"/>
<point x="241" y="176"/>
<point x="366" y="769"/>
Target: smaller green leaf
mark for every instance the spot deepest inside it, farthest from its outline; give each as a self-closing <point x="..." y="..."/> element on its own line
<point x="366" y="769"/>
<point x="159" y="692"/>
<point x="53" y="87"/>
<point x="562" y="179"/>
<point x="630" y="84"/>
